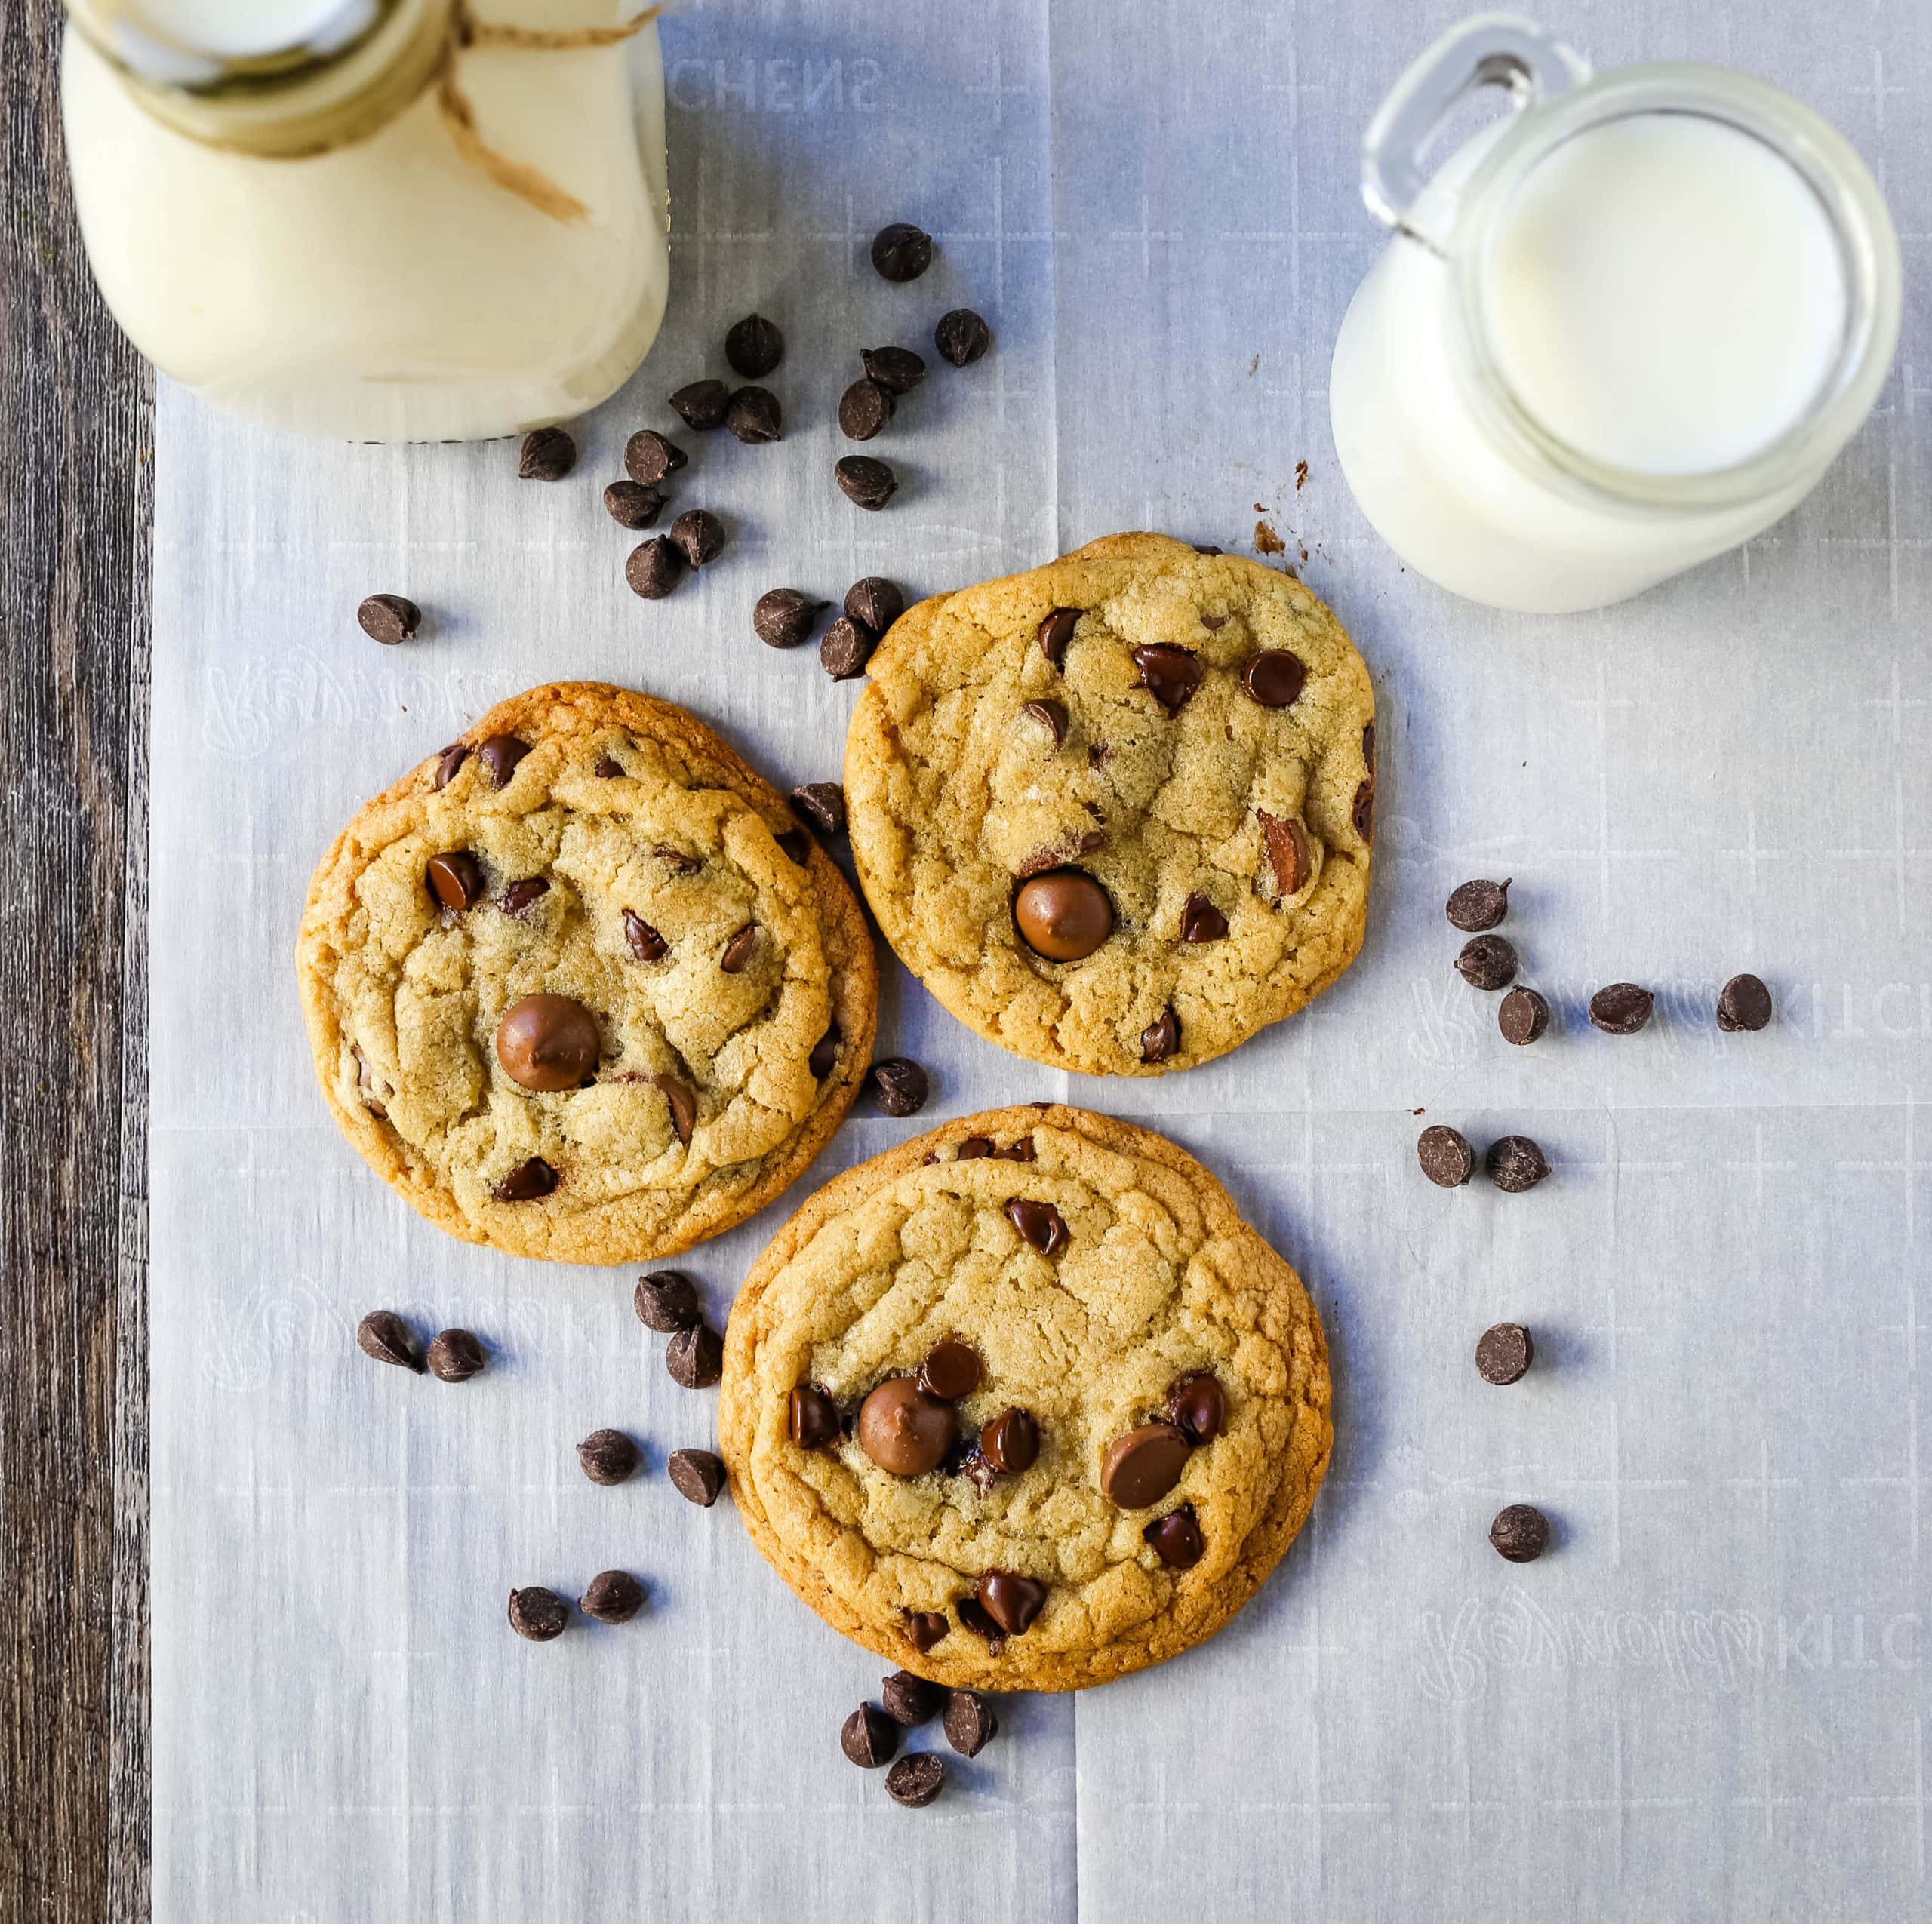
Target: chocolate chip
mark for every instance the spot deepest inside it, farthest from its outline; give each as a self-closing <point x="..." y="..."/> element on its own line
<point x="911" y="1701"/>
<point x="1504" y="1352"/>
<point x="1201" y="921"/>
<point x="899" y="1086"/>
<point x="915" y="1782"/>
<point x="1445" y="1155"/>
<point x="676" y="860"/>
<point x="1141" y="1467"/>
<point x="865" y="410"/>
<point x="608" y="1456"/>
<point x="897" y="369"/>
<point x="1064" y="914"/>
<point x="1197" y="1405"/>
<point x="519" y="897"/>
<point x="952" y="1370"/>
<point x="500" y="755"/>
<point x="649" y="457"/>
<point x="1515" y="1164"/>
<point x="755" y="416"/>
<point x="1362" y="813"/>
<point x="389" y="618"/>
<point x="695" y="1357"/>
<point x="869" y="1738"/>
<point x="961" y="337"/>
<point x="614" y="1596"/>
<point x="811" y="1417"/>
<point x="1522" y="1016"/>
<point x="697" y="1475"/>
<point x="754" y="346"/>
<point x="1055" y="631"/>
<point x="455" y="1356"/>
<point x="608" y="768"/>
<point x="1487" y="962"/>
<point x="699" y="534"/>
<point x="1011" y="1600"/>
<point x="1050" y="715"/>
<point x="383" y="1335"/>
<point x="1162" y="1038"/>
<point x="702" y="404"/>
<point x="975" y="1616"/>
<point x="630" y="504"/>
<point x="904" y="1430"/>
<point x="1170" y="675"/>
<point x="864" y="482"/>
<point x="529" y="1182"/>
<point x="1208" y="548"/>
<point x="1176" y="1538"/>
<point x="1216" y="622"/>
<point x="740" y="950"/>
<point x="1622" y="1009"/>
<point x="548" y="454"/>
<point x="448" y="762"/>
<point x="845" y="647"/>
<point x="926" y="1629"/>
<point x="1476" y="906"/>
<point x="538" y="1614"/>
<point x="874" y="602"/>
<point x="972" y="1148"/>
<point x="682" y="1104"/>
<point x="824" y="1057"/>
<point x="784" y="617"/>
<point x="1038" y="1224"/>
<point x="1274" y="677"/>
<point x="823" y="805"/>
<point x="666" y="1302"/>
<point x="1010" y="1442"/>
<point x="902" y="252"/>
<point x="647" y="944"/>
<point x="1368" y="751"/>
<point x="548" y="1043"/>
<point x="1289" y="856"/>
<point x="1744" y="1002"/>
<point x="971" y="1724"/>
<point x="655" y="567"/>
<point x="456" y="879"/>
<point x="1521" y="1533"/>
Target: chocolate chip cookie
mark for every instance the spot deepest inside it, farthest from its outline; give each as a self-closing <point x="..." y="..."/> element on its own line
<point x="1023" y="1404"/>
<point x="580" y="986"/>
<point x="1115" y="813"/>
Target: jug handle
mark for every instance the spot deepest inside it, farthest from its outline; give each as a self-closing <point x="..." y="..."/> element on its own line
<point x="1491" y="50"/>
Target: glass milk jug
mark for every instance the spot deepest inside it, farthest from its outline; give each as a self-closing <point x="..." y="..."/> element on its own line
<point x="383" y="219"/>
<point x="1622" y="330"/>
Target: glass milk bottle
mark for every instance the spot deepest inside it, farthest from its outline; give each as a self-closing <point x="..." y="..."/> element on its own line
<point x="1623" y="330"/>
<point x="383" y="220"/>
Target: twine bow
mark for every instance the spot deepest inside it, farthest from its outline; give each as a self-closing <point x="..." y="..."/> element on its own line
<point x="515" y="177"/>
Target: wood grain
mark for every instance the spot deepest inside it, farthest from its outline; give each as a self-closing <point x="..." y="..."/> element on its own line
<point x="76" y="441"/>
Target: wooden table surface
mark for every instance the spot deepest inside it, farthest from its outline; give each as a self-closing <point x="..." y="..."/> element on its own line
<point x="76" y="447"/>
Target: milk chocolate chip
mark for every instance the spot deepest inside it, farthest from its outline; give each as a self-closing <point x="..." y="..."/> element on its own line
<point x="903" y="1430"/>
<point x="547" y="1042"/>
<point x="1140" y="1467"/>
<point x="1063" y="914"/>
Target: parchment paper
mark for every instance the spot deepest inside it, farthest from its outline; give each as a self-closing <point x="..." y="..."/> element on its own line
<point x="1711" y="1699"/>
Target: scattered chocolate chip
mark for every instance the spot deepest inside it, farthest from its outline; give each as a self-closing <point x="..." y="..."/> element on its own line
<point x="500" y="756"/>
<point x="911" y="1701"/>
<point x="1476" y="906"/>
<point x="630" y="504"/>
<point x="952" y="1370"/>
<point x="1362" y="813"/>
<point x="1055" y="631"/>
<point x="1201" y="921"/>
<point x="608" y="1456"/>
<point x="455" y="1356"/>
<point x="1744" y="1002"/>
<point x="608" y="768"/>
<point x="865" y="410"/>
<point x="1504" y="1352"/>
<point x="614" y="1596"/>
<point x="529" y="1182"/>
<point x="383" y="1335"/>
<point x="1010" y="1442"/>
<point x="845" y="647"/>
<point x="702" y="404"/>
<point x="864" y="482"/>
<point x="1521" y="1533"/>
<point x="975" y="1616"/>
<point x="1176" y="1538"/>
<point x="902" y="252"/>
<point x="456" y="879"/>
<point x="1197" y="1405"/>
<point x="1275" y="678"/>
<point x="389" y="618"/>
<point x="647" y="944"/>
<point x="754" y="346"/>
<point x="667" y="1301"/>
<point x="961" y="337"/>
<point x="695" y="1357"/>
<point x="1170" y="675"/>
<point x="538" y="1614"/>
<point x="1515" y="1164"/>
<point x="1522" y="1016"/>
<point x="681" y="1103"/>
<point x="548" y="454"/>
<point x="899" y="1086"/>
<point x="897" y="369"/>
<point x="1622" y="1009"/>
<point x="1050" y="715"/>
<point x="1487" y="962"/>
<point x="869" y="1738"/>
<point x="874" y="602"/>
<point x="519" y="896"/>
<point x="740" y="950"/>
<point x="547" y="1042"/>
<point x="1063" y="915"/>
<point x="699" y="534"/>
<point x="971" y="1724"/>
<point x="1141" y="1467"/>
<point x="1291" y="858"/>
<point x="925" y="1629"/>
<point x="811" y="1418"/>
<point x="904" y="1430"/>
<point x="755" y="416"/>
<point x="1039" y="1225"/>
<point x="1445" y="1155"/>
<point x="448" y="762"/>
<point x="676" y="860"/>
<point x="784" y="617"/>
<point x="824" y="1057"/>
<point x="823" y="805"/>
<point x="1011" y="1600"/>
<point x="649" y="457"/>
<point x="915" y="1782"/>
<point x="655" y="567"/>
<point x="1162" y="1038"/>
<point x="697" y="1475"/>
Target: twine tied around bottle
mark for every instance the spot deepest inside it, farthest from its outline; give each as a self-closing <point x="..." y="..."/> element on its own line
<point x="515" y="177"/>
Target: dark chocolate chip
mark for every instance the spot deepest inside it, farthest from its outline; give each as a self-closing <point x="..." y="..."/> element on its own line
<point x="1504" y="1352"/>
<point x="383" y="1335"/>
<point x="784" y="617"/>
<point x="972" y="1148"/>
<point x="824" y="1057"/>
<point x="455" y="1356"/>
<point x="695" y="1357"/>
<point x="699" y="534"/>
<point x="538" y="1614"/>
<point x="845" y="647"/>
<point x="797" y="843"/>
<point x="1038" y="1224"/>
<point x="529" y="1182"/>
<point x="1622" y="1009"/>
<point x="448" y="762"/>
<point x="1522" y="1016"/>
<point x="915" y="1782"/>
<point x="754" y="346"/>
<point x="971" y="1724"/>
<point x="865" y="410"/>
<point x="647" y="944"/>
<point x="1161" y="1039"/>
<point x="631" y="504"/>
<point x="614" y="1596"/>
<point x="811" y="1418"/>
<point x="874" y="602"/>
<point x="1445" y="1155"/>
<point x="1515" y="1164"/>
<point x="1274" y="677"/>
<point x="1011" y="1600"/>
<point x="1362" y="811"/>
<point x="608" y="768"/>
<point x="1170" y="675"/>
<point x="1197" y="1405"/>
<point x="608" y="1456"/>
<point x="697" y="1475"/>
<point x="823" y="805"/>
<point x="389" y="618"/>
<point x="1019" y="1151"/>
<point x="740" y="950"/>
<point x="952" y="1370"/>
<point x="974" y="1616"/>
<point x="1050" y="715"/>
<point x="676" y="860"/>
<point x="1487" y="962"/>
<point x="1476" y="906"/>
<point x="1744" y="1002"/>
<point x="1208" y="548"/>
<point x="869" y="1738"/>
<point x="649" y="457"/>
<point x="1140" y="1467"/>
<point x="1010" y="1442"/>
<point x="547" y="454"/>
<point x="961" y="337"/>
<point x="1176" y="1538"/>
<point x="655" y="567"/>
<point x="902" y="252"/>
<point x="897" y="369"/>
<point x="1201" y="921"/>
<point x="904" y="1430"/>
<point x="520" y="896"/>
<point x="683" y="1106"/>
<point x="702" y="404"/>
<point x="667" y="1301"/>
<point x="1064" y="914"/>
<point x="898" y="1085"/>
<point x="499" y="756"/>
<point x="1521" y="1533"/>
<point x="755" y="416"/>
<point x="926" y="1629"/>
<point x="864" y="482"/>
<point x="911" y="1701"/>
<point x="1055" y="631"/>
<point x="1290" y="857"/>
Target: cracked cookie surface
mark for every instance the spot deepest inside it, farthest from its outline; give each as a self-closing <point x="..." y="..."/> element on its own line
<point x="1156" y="1279"/>
<point x="1194" y="733"/>
<point x="586" y="861"/>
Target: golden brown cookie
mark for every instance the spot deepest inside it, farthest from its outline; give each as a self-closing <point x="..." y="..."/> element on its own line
<point x="1116" y="812"/>
<point x="1023" y="1404"/>
<point x="580" y="986"/>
